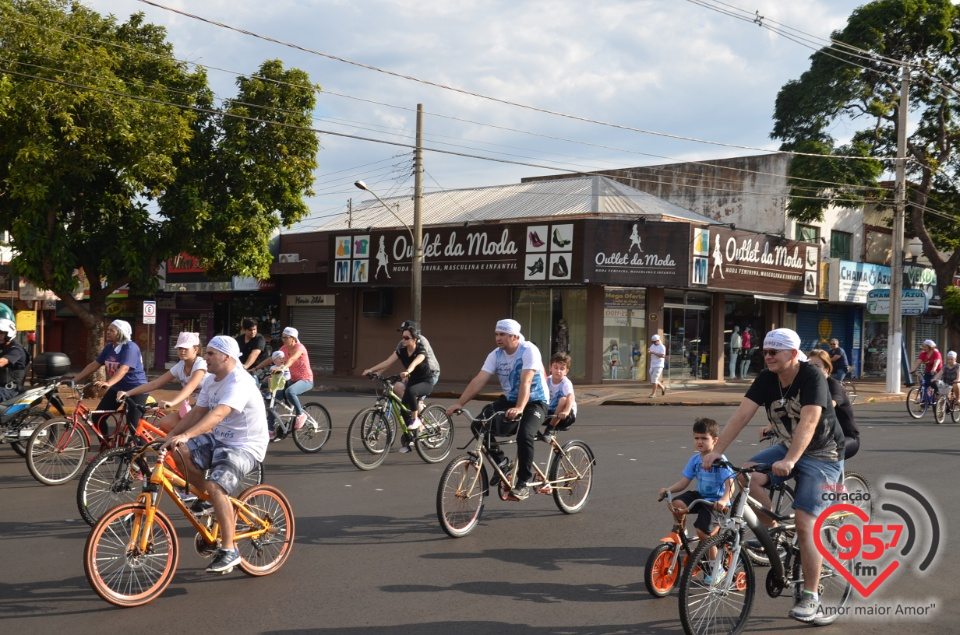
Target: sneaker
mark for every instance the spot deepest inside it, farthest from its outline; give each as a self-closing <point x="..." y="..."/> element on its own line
<point x="755" y="545"/>
<point x="201" y="508"/>
<point x="404" y="449"/>
<point x="707" y="579"/>
<point x="186" y="497"/>
<point x="273" y="435"/>
<point x="299" y="421"/>
<point x="224" y="561"/>
<point x="414" y="424"/>
<point x="805" y="610"/>
<point x="548" y="434"/>
<point x="519" y="493"/>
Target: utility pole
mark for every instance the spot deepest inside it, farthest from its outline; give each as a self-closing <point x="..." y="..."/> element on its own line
<point x="349" y="213"/>
<point x="416" y="268"/>
<point x="895" y="332"/>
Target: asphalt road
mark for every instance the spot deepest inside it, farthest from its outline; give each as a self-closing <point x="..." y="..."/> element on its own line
<point x="370" y="556"/>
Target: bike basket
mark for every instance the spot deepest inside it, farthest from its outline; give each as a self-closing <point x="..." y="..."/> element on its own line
<point x="277" y="382"/>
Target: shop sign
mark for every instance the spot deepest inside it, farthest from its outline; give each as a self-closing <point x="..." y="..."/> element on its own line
<point x="914" y="302"/>
<point x="853" y="281"/>
<point x="732" y="260"/>
<point x="311" y="300"/>
<point x="197" y="287"/>
<point x="636" y="253"/>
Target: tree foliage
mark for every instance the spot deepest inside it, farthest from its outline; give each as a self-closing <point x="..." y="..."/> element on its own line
<point x="858" y="94"/>
<point x="115" y="156"/>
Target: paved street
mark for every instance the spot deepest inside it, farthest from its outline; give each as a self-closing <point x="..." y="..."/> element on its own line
<point x="370" y="556"/>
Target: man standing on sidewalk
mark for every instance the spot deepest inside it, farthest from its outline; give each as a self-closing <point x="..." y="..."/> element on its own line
<point x="658" y="359"/>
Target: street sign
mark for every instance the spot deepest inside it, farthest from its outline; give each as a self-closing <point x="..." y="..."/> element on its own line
<point x="914" y="302"/>
<point x="149" y="312"/>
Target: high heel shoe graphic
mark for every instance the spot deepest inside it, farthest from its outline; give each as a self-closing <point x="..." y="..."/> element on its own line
<point x="536" y="267"/>
<point x="535" y="240"/>
<point x="560" y="268"/>
<point x="558" y="240"/>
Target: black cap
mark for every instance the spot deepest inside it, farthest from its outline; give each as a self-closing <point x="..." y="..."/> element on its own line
<point x="408" y="324"/>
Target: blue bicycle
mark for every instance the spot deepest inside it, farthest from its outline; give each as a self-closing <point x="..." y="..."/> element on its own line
<point x="922" y="398"/>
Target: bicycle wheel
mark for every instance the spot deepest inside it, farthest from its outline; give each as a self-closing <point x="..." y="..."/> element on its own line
<point x="267" y="552"/>
<point x="253" y="477"/>
<point x="916" y="404"/>
<point x="658" y="576"/>
<point x="460" y="495"/>
<point x="316" y="431"/>
<point x="834" y="589"/>
<point x="368" y="439"/>
<point x="124" y="575"/>
<point x="27" y="424"/>
<point x="781" y="500"/>
<point x="858" y="492"/>
<point x="108" y="481"/>
<point x="55" y="451"/>
<point x="955" y="412"/>
<point x="434" y="439"/>
<point x="851" y="389"/>
<point x="716" y="595"/>
<point x="571" y="477"/>
<point x="940" y="410"/>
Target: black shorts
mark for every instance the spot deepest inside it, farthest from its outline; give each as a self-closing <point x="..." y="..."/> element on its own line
<point x="708" y="519"/>
<point x="566" y="423"/>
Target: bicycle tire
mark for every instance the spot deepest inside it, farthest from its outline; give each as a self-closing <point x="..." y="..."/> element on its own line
<point x="834" y="589"/>
<point x="55" y="451"/>
<point x="571" y="496"/>
<point x="851" y="389"/>
<point x="940" y="410"/>
<point x="955" y="413"/>
<point x="316" y="431"/>
<point x="434" y="439"/>
<point x="108" y="481"/>
<point x="858" y="492"/>
<point x="265" y="554"/>
<point x="916" y="404"/>
<point x="723" y="605"/>
<point x="30" y="420"/>
<point x="368" y="439"/>
<point x="658" y="577"/>
<point x="130" y="579"/>
<point x="460" y="495"/>
<point x="256" y="476"/>
<point x="781" y="502"/>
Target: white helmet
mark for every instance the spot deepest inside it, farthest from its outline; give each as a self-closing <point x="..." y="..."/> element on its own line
<point x="8" y="328"/>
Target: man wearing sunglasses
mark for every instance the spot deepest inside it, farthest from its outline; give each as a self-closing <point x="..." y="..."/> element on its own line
<point x="800" y="411"/>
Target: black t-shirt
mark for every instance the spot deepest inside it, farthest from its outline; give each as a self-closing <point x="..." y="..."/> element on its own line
<point x="809" y="388"/>
<point x="844" y="409"/>
<point x="258" y="343"/>
<point x="425" y="370"/>
<point x="15" y="370"/>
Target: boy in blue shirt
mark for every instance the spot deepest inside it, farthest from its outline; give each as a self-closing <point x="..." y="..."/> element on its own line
<point x="714" y="485"/>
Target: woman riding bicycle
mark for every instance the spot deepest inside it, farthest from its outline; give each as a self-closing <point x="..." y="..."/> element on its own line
<point x="420" y="374"/>
<point x="930" y="358"/>
<point x="841" y="402"/>
<point x="297" y="361"/>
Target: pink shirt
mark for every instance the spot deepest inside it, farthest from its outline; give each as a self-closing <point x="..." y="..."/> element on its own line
<point x="300" y="369"/>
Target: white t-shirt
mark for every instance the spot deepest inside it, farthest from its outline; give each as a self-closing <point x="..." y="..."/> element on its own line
<point x="656" y="361"/>
<point x="246" y="425"/>
<point x="508" y="368"/>
<point x="178" y="370"/>
<point x="558" y="391"/>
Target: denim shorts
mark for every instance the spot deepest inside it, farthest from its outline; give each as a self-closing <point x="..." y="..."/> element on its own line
<point x="814" y="478"/>
<point x="227" y="465"/>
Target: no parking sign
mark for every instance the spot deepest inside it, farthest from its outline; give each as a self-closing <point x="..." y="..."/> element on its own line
<point x="149" y="312"/>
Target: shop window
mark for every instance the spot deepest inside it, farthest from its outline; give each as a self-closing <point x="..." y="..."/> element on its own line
<point x="624" y="334"/>
<point x="840" y="245"/>
<point x="540" y="312"/>
<point x="808" y="233"/>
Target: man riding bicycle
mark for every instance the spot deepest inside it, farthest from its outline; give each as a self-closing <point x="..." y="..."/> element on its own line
<point x="798" y="405"/>
<point x="226" y="433"/>
<point x="519" y="366"/>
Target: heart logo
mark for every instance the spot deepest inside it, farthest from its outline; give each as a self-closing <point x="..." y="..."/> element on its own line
<point x="839" y="566"/>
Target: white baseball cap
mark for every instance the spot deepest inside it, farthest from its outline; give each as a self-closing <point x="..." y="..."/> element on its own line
<point x="655" y="338"/>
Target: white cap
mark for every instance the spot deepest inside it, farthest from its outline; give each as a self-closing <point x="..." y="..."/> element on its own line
<point x="782" y="340"/>
<point x="226" y="345"/>
<point x="930" y="343"/>
<point x="655" y="338"/>
<point x="278" y="355"/>
<point x="187" y="339"/>
<point x="952" y="354"/>
<point x="292" y="332"/>
<point x="510" y="327"/>
<point x="124" y="327"/>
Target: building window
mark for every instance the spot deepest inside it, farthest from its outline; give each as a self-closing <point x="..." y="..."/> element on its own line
<point x="840" y="245"/>
<point x="808" y="233"/>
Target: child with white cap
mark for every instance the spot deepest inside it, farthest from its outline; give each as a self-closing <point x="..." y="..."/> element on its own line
<point x="296" y="361"/>
<point x="188" y="372"/>
<point x="949" y="375"/>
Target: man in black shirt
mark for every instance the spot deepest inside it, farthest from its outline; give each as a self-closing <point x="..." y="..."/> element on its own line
<point x="800" y="411"/>
<point x="251" y="344"/>
<point x="13" y="361"/>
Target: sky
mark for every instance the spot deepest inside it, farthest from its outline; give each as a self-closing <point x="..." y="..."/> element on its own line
<point x="679" y="68"/>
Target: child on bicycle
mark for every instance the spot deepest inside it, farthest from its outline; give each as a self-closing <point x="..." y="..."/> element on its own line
<point x="714" y="485"/>
<point x="950" y="376"/>
<point x="562" y="408"/>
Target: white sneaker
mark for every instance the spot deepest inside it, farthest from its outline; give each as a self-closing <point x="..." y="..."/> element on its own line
<point x="404" y="449"/>
<point x="414" y="424"/>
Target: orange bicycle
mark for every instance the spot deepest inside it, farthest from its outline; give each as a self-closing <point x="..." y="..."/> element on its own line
<point x="132" y="552"/>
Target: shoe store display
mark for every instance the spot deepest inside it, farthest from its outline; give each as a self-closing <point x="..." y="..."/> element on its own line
<point x="536" y="267"/>
<point x="559" y="240"/>
<point x="535" y="240"/>
<point x="560" y="269"/>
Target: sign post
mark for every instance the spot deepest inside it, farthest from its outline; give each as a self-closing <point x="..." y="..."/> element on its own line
<point x="150" y="318"/>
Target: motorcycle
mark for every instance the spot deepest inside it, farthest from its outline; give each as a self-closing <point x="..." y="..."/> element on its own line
<point x="20" y="415"/>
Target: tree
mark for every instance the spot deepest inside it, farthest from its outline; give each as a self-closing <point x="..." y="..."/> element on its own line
<point x="844" y="89"/>
<point x="114" y="156"/>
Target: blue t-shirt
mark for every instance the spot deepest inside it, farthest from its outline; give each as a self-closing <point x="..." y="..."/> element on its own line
<point x="710" y="483"/>
<point x="129" y="355"/>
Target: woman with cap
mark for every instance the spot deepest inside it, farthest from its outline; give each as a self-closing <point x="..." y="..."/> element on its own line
<point x="124" y="365"/>
<point x="297" y="361"/>
<point x="189" y="372"/>
<point x="930" y="358"/>
<point x="420" y="373"/>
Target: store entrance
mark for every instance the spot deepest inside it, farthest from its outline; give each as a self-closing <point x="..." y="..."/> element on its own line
<point x="686" y="329"/>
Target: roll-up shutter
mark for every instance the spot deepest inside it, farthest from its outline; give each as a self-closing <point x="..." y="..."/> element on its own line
<point x="315" y="325"/>
<point x="816" y="327"/>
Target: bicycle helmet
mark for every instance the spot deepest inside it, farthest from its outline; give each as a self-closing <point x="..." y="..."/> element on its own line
<point x="8" y="328"/>
<point x="408" y="324"/>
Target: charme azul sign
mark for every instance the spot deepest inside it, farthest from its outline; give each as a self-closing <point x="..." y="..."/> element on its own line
<point x="727" y="259"/>
<point x="853" y="281"/>
<point x="913" y="302"/>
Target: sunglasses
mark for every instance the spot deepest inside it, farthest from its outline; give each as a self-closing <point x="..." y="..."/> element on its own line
<point x="406" y="338"/>
<point x="771" y="352"/>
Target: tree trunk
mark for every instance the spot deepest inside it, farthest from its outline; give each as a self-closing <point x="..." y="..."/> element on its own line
<point x="91" y="315"/>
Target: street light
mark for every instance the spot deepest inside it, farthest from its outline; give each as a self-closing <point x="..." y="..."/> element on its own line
<point x="416" y="266"/>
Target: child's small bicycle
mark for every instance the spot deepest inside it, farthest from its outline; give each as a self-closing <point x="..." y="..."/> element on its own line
<point x="664" y="563"/>
<point x="315" y="431"/>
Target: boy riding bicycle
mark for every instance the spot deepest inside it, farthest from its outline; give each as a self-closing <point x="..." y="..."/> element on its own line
<point x="562" y="407"/>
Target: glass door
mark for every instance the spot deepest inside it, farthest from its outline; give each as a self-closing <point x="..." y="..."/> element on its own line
<point x="686" y="329"/>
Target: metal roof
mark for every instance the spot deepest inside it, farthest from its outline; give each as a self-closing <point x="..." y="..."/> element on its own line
<point x="589" y="196"/>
